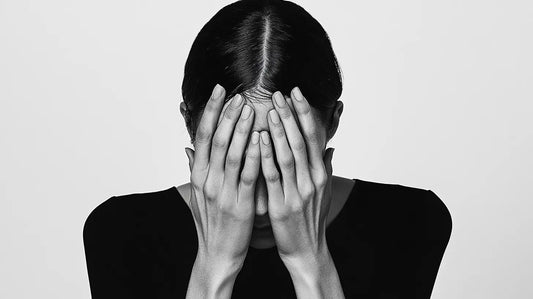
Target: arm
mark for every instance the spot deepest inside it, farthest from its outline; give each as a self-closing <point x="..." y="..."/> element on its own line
<point x="316" y="278"/>
<point x="438" y="227"/>
<point x="208" y="281"/>
<point x="222" y="196"/>
<point x="299" y="195"/>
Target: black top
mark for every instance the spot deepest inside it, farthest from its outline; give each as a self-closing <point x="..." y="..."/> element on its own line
<point x="387" y="242"/>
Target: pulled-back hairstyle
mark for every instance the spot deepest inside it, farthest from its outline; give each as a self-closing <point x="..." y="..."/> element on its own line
<point x="254" y="45"/>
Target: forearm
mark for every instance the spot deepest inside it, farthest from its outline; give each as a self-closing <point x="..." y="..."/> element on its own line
<point x="210" y="281"/>
<point x="316" y="278"/>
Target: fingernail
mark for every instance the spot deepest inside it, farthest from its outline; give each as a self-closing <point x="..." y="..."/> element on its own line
<point x="246" y="111"/>
<point x="297" y="94"/>
<point x="217" y="91"/>
<point x="237" y="100"/>
<point x="274" y="116"/>
<point x="264" y="137"/>
<point x="255" y="137"/>
<point x="280" y="100"/>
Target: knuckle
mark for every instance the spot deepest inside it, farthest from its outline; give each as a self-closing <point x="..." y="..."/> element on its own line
<point x="210" y="193"/>
<point x="322" y="183"/>
<point x="195" y="184"/>
<point x="272" y="177"/>
<point x="233" y="161"/>
<point x="202" y="135"/>
<point x="241" y="128"/>
<point x="285" y="113"/>
<point x="268" y="155"/>
<point x="286" y="163"/>
<point x="299" y="145"/>
<point x="313" y="137"/>
<point x="196" y="180"/>
<point x="279" y="133"/>
<point x="247" y="180"/>
<point x="227" y="208"/>
<point x="230" y="113"/>
<point x="321" y="180"/>
<point x="219" y="142"/>
<point x="297" y="206"/>
<point x="253" y="155"/>
<point x="304" y="109"/>
<point x="308" y="192"/>
<point x="210" y="106"/>
<point x="282" y="216"/>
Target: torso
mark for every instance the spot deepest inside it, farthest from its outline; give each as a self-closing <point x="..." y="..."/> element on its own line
<point x="387" y="241"/>
<point x="341" y="188"/>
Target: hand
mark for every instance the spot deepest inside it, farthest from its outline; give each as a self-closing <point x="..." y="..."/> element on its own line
<point x="299" y="201"/>
<point x="222" y="197"/>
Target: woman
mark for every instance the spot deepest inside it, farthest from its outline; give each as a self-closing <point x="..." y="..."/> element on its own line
<point x="263" y="216"/>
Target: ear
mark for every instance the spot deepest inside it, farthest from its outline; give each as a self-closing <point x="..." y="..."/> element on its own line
<point x="187" y="116"/>
<point x="335" y="118"/>
<point x="184" y="111"/>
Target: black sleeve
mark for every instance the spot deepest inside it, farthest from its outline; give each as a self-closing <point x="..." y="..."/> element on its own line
<point x="437" y="231"/>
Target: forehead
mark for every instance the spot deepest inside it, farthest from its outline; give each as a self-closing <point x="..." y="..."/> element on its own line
<point x="261" y="102"/>
<point x="261" y="108"/>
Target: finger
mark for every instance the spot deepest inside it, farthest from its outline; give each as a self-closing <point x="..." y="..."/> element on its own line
<point x="250" y="171"/>
<point x="284" y="154"/>
<point x="221" y="116"/>
<point x="309" y="129"/>
<point x="207" y="126"/>
<point x="291" y="105"/>
<point x="237" y="146"/>
<point x="294" y="137"/>
<point x="219" y="147"/>
<point x="222" y="136"/>
<point x="271" y="174"/>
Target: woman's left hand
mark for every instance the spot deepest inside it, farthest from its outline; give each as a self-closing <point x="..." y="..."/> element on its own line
<point x="299" y="198"/>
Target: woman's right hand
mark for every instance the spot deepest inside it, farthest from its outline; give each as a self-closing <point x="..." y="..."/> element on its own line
<point x="222" y="196"/>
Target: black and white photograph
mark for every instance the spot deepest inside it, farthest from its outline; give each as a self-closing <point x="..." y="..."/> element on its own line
<point x="266" y="149"/>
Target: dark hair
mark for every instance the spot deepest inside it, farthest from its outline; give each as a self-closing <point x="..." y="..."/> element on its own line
<point x="251" y="45"/>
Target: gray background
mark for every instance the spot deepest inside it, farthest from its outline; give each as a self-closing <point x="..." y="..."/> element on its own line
<point x="437" y="96"/>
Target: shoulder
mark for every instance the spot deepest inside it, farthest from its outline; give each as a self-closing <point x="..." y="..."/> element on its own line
<point x="138" y="243"/>
<point x="418" y="206"/>
<point x="128" y="211"/>
<point x="403" y="195"/>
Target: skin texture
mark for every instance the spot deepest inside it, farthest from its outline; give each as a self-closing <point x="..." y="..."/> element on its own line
<point x="300" y="193"/>
<point x="298" y="177"/>
<point x="264" y="238"/>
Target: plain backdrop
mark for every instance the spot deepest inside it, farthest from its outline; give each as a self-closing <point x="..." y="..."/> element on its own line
<point x="438" y="95"/>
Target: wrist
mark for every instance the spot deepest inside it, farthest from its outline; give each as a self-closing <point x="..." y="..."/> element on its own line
<point x="212" y="279"/>
<point x="309" y="268"/>
<point x="315" y="277"/>
<point x="312" y="262"/>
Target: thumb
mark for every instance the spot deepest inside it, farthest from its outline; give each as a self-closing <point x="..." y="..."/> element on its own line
<point x="190" y="155"/>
